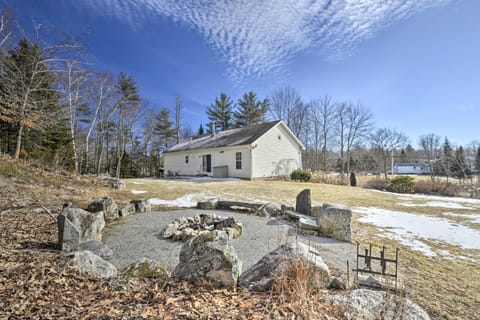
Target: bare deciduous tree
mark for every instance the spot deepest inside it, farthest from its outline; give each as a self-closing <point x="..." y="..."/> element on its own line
<point x="431" y="147"/>
<point x="286" y="104"/>
<point x="386" y="141"/>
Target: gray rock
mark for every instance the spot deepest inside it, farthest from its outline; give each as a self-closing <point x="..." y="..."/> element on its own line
<point x="208" y="204"/>
<point x="337" y="284"/>
<point x="89" y="263"/>
<point x="68" y="234"/>
<point x="364" y="304"/>
<point x="146" y="269"/>
<point x="141" y="205"/>
<point x="107" y="205"/>
<point x="271" y="210"/>
<point x="315" y="211"/>
<point x="304" y="202"/>
<point x="170" y="230"/>
<point x="209" y="256"/>
<point x="335" y="221"/>
<point x="261" y="276"/>
<point x="285" y="208"/>
<point x="88" y="224"/>
<point x="97" y="248"/>
<point x="308" y="224"/>
<point x="126" y="210"/>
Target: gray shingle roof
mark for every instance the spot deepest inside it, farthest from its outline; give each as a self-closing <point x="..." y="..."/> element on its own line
<point x="228" y="138"/>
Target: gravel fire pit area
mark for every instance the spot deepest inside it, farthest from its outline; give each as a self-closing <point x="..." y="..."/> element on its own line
<point x="139" y="236"/>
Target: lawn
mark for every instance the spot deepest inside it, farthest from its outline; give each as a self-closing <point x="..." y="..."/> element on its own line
<point x="444" y="282"/>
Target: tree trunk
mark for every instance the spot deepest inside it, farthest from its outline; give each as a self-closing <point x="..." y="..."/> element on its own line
<point x="19" y="142"/>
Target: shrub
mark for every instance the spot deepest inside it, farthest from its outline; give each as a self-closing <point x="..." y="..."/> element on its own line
<point x="377" y="184"/>
<point x="402" y="184"/>
<point x="301" y="175"/>
<point x="328" y="178"/>
<point x="23" y="154"/>
<point x="440" y="188"/>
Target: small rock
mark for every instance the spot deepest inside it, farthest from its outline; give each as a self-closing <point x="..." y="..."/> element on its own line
<point x="126" y="210"/>
<point x="89" y="263"/>
<point x="271" y="210"/>
<point x="170" y="230"/>
<point x="107" y="205"/>
<point x="146" y="268"/>
<point x="337" y="284"/>
<point x="88" y="224"/>
<point x="68" y="234"/>
<point x="142" y="205"/>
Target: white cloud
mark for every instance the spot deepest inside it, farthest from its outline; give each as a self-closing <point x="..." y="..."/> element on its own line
<point x="260" y="38"/>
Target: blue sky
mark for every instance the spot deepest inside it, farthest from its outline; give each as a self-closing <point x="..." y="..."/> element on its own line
<point x="414" y="63"/>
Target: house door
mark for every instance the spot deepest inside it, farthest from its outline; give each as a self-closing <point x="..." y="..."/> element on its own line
<point x="207" y="162"/>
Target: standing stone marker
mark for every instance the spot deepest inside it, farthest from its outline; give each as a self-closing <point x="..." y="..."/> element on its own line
<point x="304" y="202"/>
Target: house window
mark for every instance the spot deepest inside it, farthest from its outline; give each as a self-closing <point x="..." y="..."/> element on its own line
<point x="238" y="160"/>
<point x="186" y="159"/>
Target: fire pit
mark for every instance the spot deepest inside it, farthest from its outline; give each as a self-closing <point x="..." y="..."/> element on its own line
<point x="184" y="228"/>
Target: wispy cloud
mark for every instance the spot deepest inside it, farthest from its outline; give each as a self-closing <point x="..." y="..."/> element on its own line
<point x="260" y="38"/>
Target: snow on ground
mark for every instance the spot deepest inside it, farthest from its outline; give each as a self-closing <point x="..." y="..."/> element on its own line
<point x="186" y="201"/>
<point x="134" y="191"/>
<point x="199" y="179"/>
<point x="135" y="182"/>
<point x="410" y="229"/>
<point x="407" y="197"/>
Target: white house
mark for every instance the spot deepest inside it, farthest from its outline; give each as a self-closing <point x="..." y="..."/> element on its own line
<point x="411" y="168"/>
<point x="264" y="150"/>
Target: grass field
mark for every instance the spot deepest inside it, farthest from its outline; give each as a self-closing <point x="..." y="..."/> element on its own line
<point x="445" y="284"/>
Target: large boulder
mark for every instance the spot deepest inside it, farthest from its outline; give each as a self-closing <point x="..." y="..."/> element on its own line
<point x="364" y="304"/>
<point x="88" y="224"/>
<point x="68" y="234"/>
<point x="107" y="205"/>
<point x="304" y="202"/>
<point x="209" y="256"/>
<point x="141" y="205"/>
<point x="127" y="210"/>
<point x="261" y="276"/>
<point x="335" y="221"/>
<point x="208" y="204"/>
<point x="97" y="248"/>
<point x="89" y="263"/>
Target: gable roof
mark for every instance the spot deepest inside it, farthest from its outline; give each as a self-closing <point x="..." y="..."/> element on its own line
<point x="227" y="138"/>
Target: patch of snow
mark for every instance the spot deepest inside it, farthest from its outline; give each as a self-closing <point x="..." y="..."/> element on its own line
<point x="438" y="204"/>
<point x="135" y="182"/>
<point x="199" y="179"/>
<point x="186" y="201"/>
<point x="410" y="228"/>
<point x="134" y="191"/>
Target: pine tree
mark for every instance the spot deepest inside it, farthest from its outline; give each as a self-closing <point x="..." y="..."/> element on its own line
<point x="250" y="111"/>
<point x="29" y="101"/>
<point x="220" y="113"/>
<point x="447" y="158"/>
<point x="459" y="167"/>
<point x="200" y="130"/>
<point x="164" y="126"/>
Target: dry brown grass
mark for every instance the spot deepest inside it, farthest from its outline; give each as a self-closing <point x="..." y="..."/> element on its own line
<point x="445" y="288"/>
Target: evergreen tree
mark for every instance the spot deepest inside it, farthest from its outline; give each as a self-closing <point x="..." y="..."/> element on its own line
<point x="250" y="110"/>
<point x="447" y="158"/>
<point x="220" y="113"/>
<point x="29" y="101"/>
<point x="164" y="126"/>
<point x="200" y="130"/>
<point x="459" y="167"/>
